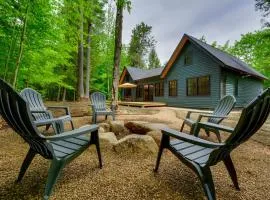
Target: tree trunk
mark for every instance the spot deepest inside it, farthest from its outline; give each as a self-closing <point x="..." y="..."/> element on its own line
<point x="81" y="55"/>
<point x="117" y="54"/>
<point x="64" y="94"/>
<point x="21" y="47"/>
<point x="10" y="49"/>
<point x="88" y="61"/>
<point x="58" y="93"/>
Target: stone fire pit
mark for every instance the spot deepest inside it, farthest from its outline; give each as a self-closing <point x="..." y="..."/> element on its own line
<point x="130" y="136"/>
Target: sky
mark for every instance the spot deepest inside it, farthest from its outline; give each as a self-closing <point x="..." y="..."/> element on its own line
<point x="217" y="20"/>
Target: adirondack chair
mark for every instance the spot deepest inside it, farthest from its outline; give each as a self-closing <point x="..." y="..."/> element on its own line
<point x="224" y="107"/>
<point x="99" y="106"/>
<point x="42" y="115"/>
<point x="60" y="149"/>
<point x="199" y="154"/>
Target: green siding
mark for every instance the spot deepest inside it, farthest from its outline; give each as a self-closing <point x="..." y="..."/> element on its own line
<point x="248" y="87"/>
<point x="202" y="65"/>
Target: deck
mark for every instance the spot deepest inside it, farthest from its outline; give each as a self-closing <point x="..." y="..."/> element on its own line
<point x="141" y="104"/>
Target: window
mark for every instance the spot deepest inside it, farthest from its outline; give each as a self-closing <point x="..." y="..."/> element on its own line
<point x="159" y="89"/>
<point x="139" y="91"/>
<point x="188" y="58"/>
<point x="198" y="86"/>
<point x="173" y="88"/>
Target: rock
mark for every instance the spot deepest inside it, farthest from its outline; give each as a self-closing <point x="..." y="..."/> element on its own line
<point x="107" y="140"/>
<point x="138" y="128"/>
<point x="156" y="126"/>
<point x="135" y="143"/>
<point x="101" y="130"/>
<point x="118" y="128"/>
<point x="105" y="126"/>
<point x="156" y="135"/>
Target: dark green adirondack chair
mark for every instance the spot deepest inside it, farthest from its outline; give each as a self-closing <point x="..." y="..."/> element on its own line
<point x="42" y="115"/>
<point x="99" y="106"/>
<point x="199" y="154"/>
<point x="60" y="149"/>
<point x="224" y="107"/>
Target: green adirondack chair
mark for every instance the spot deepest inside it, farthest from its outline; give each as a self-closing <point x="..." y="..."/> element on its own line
<point x="224" y="107"/>
<point x="60" y="149"/>
<point x="99" y="106"/>
<point x="42" y="114"/>
<point x="200" y="155"/>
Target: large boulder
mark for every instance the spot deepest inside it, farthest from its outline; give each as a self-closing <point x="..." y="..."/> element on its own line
<point x="105" y="126"/>
<point x="101" y="130"/>
<point x="135" y="143"/>
<point x="107" y="140"/>
<point x="118" y="128"/>
<point x="137" y="127"/>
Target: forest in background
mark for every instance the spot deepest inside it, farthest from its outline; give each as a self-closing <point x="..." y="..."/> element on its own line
<point x="65" y="48"/>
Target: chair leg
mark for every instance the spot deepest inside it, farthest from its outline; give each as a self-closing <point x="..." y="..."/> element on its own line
<point x="47" y="127"/>
<point x="207" y="182"/>
<point x="163" y="144"/>
<point x="232" y="172"/>
<point x="218" y="135"/>
<point x="27" y="161"/>
<point x="207" y="132"/>
<point x="182" y="127"/>
<point x="53" y="174"/>
<point x="158" y="158"/>
<point x="95" y="140"/>
<point x="72" y="125"/>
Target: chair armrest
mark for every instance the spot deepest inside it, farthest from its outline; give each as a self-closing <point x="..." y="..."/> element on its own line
<point x="190" y="112"/>
<point x="66" y="108"/>
<point x="214" y="126"/>
<point x="190" y="138"/>
<point x="47" y="121"/>
<point x="77" y="132"/>
<point x="210" y="115"/>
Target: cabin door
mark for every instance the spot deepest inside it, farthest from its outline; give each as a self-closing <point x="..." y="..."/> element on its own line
<point x="148" y="92"/>
<point x="127" y="94"/>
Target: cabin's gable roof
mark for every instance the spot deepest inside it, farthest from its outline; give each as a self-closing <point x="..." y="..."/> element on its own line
<point x="137" y="73"/>
<point x="224" y="59"/>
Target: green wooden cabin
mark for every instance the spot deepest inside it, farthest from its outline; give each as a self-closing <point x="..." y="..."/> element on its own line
<point x="197" y="75"/>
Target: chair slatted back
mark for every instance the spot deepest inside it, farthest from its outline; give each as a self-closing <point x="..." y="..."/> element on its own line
<point x="252" y="118"/>
<point x="223" y="108"/>
<point x="35" y="102"/>
<point x="98" y="99"/>
<point x="15" y="111"/>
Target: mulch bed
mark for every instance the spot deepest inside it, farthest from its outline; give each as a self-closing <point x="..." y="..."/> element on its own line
<point x="130" y="176"/>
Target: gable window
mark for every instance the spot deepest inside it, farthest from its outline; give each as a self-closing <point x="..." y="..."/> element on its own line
<point x="173" y="88"/>
<point x="198" y="86"/>
<point x="188" y="58"/>
<point x="139" y="91"/>
<point x="159" y="89"/>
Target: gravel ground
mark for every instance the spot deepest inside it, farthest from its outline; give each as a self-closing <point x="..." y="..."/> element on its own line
<point x="131" y="176"/>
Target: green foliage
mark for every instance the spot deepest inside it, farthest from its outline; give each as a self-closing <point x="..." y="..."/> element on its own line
<point x="254" y="49"/>
<point x="49" y="58"/>
<point x="141" y="42"/>
<point x="264" y="7"/>
<point x="153" y="60"/>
